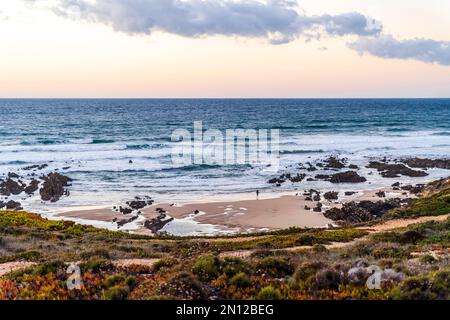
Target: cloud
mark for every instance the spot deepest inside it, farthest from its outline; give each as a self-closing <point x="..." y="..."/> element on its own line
<point x="279" y="21"/>
<point x="386" y="46"/>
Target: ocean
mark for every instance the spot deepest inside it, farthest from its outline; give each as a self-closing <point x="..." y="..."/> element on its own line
<point x="117" y="149"/>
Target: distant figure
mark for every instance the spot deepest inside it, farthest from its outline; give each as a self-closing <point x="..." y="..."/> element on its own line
<point x="257" y="194"/>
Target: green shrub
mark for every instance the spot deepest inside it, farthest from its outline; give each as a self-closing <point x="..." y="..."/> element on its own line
<point x="437" y="204"/>
<point x="164" y="263"/>
<point x="113" y="280"/>
<point x="276" y="267"/>
<point x="307" y="270"/>
<point x="55" y="267"/>
<point x="206" y="267"/>
<point x="131" y="281"/>
<point x="95" y="265"/>
<point x="328" y="279"/>
<point x="30" y="255"/>
<point x="232" y="266"/>
<point x="427" y="259"/>
<point x="241" y="280"/>
<point x="184" y="285"/>
<point x="116" y="293"/>
<point x="269" y="293"/>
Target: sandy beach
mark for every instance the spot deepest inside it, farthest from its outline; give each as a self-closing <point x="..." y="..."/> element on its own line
<point x="237" y="215"/>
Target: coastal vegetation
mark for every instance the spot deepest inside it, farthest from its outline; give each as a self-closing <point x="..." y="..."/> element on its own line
<point x="334" y="263"/>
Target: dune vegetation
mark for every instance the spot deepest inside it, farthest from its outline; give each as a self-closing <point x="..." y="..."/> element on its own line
<point x="412" y="262"/>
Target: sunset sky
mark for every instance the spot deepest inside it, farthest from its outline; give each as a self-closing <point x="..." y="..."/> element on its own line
<point x="252" y="48"/>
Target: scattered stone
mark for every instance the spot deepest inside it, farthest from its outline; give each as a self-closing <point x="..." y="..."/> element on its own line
<point x="331" y="195"/>
<point x="318" y="207"/>
<point x="417" y="189"/>
<point x="125" y="211"/>
<point x="381" y="194"/>
<point x="287" y="177"/>
<point x="333" y="163"/>
<point x="353" y="167"/>
<point x="350" y="193"/>
<point x="35" y="167"/>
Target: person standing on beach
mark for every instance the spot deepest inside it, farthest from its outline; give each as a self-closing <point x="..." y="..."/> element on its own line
<point x="257" y="194"/>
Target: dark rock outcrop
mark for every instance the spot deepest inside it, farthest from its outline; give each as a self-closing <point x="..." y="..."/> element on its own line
<point x="347" y="177"/>
<point x="156" y="224"/>
<point x="364" y="211"/>
<point x="32" y="187"/>
<point x="9" y="187"/>
<point x="331" y="195"/>
<point x="54" y="187"/>
<point x="427" y="163"/>
<point x="35" y="167"/>
<point x="287" y="177"/>
<point x="11" y="205"/>
<point x="395" y="170"/>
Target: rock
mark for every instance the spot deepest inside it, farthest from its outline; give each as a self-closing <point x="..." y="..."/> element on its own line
<point x="130" y="162"/>
<point x="331" y="195"/>
<point x="307" y="208"/>
<point x="427" y="163"/>
<point x="121" y="223"/>
<point x="350" y="193"/>
<point x="287" y="177"/>
<point x="353" y="167"/>
<point x="156" y="224"/>
<point x="13" y="175"/>
<point x="13" y="205"/>
<point x="381" y="194"/>
<point x="35" y="167"/>
<point x="54" y="186"/>
<point x="137" y="205"/>
<point x="354" y="212"/>
<point x="347" y="177"/>
<point x="318" y="207"/>
<point x="10" y="187"/>
<point x="32" y="187"/>
<point x="397" y="184"/>
<point x="389" y="170"/>
<point x="125" y="211"/>
<point x="334" y="163"/>
<point x="417" y="189"/>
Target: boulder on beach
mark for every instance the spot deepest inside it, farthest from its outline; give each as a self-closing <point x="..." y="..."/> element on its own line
<point x="54" y="187"/>
<point x="347" y="177"/>
<point x="9" y="187"/>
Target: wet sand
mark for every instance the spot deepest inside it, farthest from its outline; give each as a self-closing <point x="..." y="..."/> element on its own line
<point x="241" y="216"/>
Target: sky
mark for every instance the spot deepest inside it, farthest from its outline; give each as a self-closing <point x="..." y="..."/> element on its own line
<point x="224" y="48"/>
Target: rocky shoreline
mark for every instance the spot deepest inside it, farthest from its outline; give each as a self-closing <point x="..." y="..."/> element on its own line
<point x="53" y="186"/>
